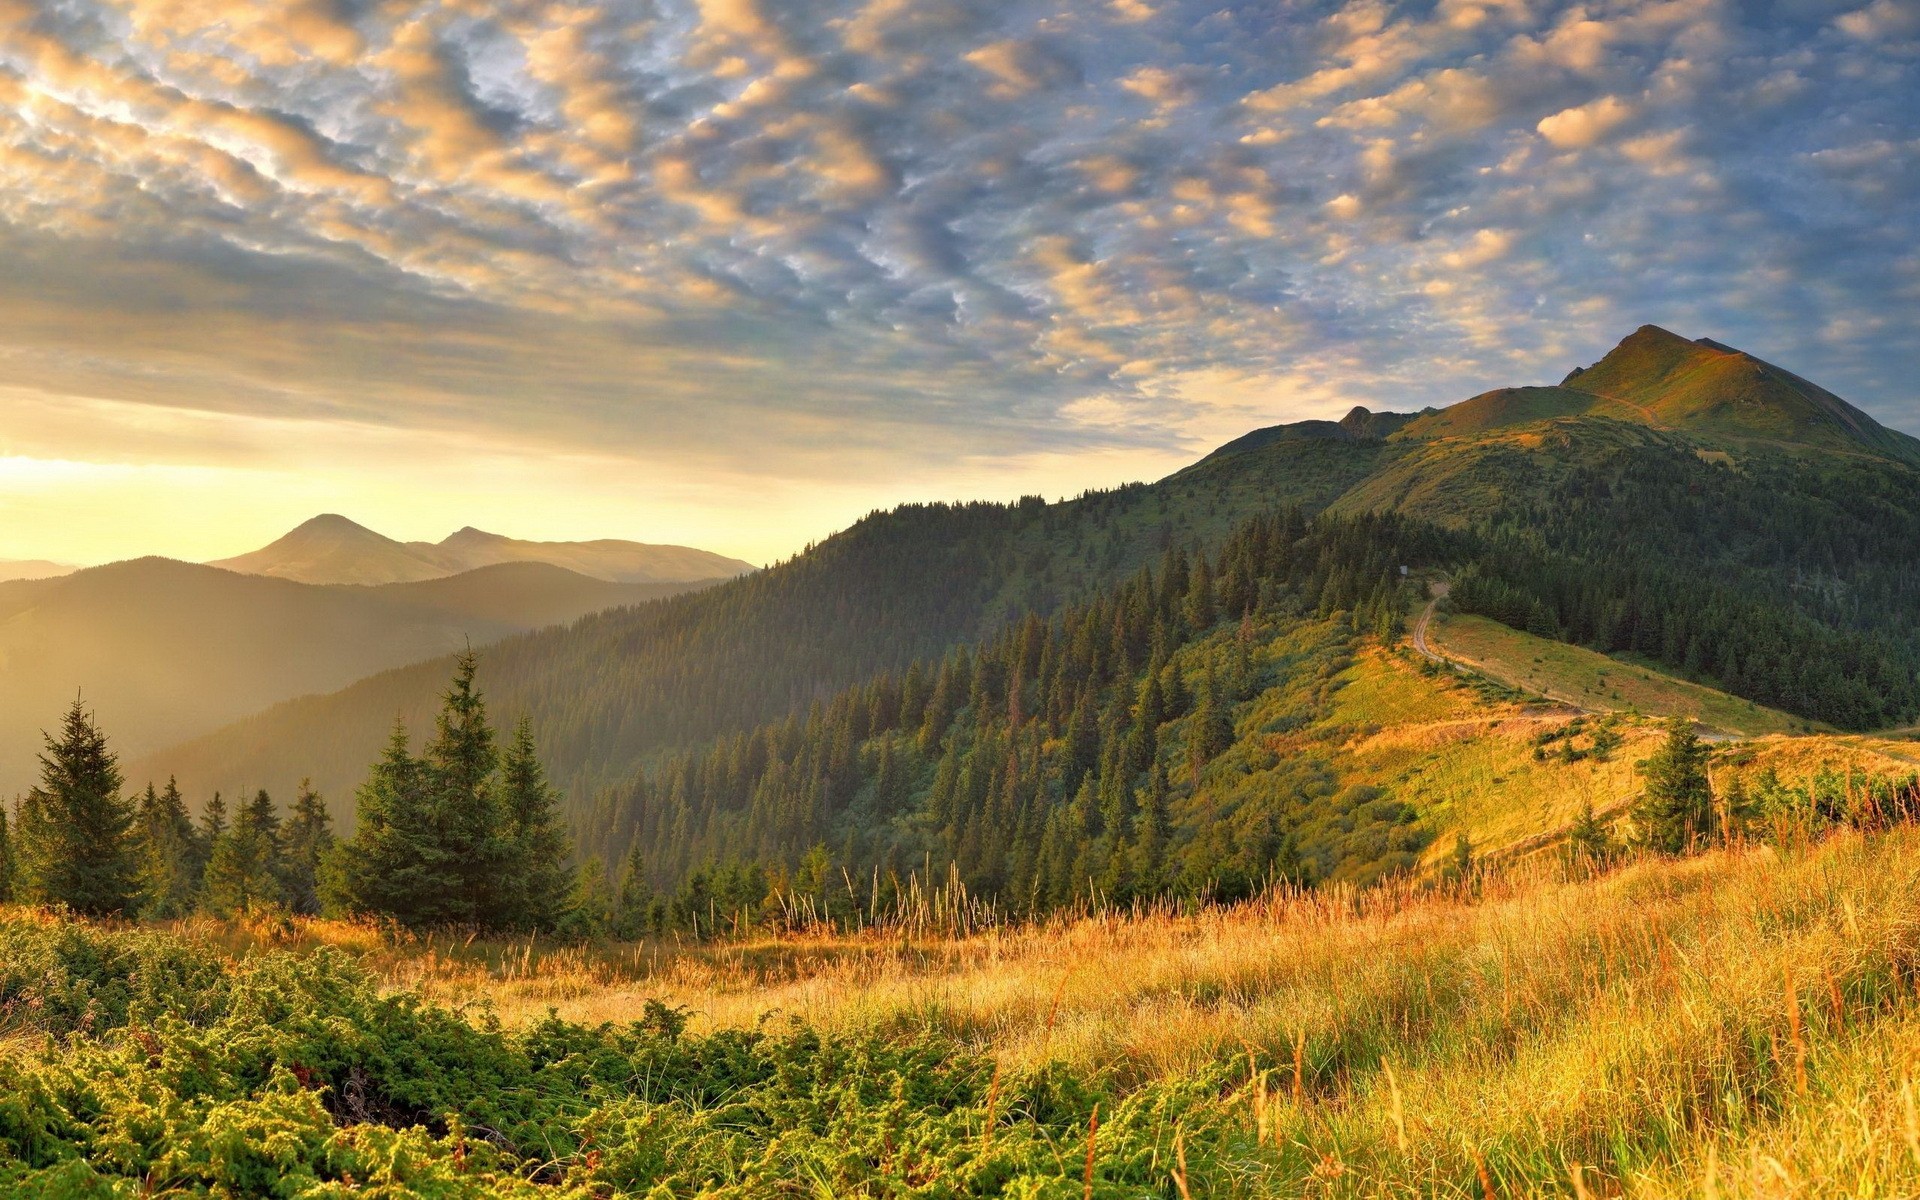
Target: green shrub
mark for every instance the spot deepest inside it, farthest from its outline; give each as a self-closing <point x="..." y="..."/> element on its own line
<point x="176" y="1071"/>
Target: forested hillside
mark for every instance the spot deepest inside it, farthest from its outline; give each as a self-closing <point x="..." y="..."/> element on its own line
<point x="615" y="688"/>
<point x="1120" y="747"/>
<point x="1694" y="532"/>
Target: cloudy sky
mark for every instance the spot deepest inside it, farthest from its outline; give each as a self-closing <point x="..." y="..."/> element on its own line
<point x="731" y="272"/>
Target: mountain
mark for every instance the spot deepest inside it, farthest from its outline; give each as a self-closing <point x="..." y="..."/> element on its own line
<point x="1702" y="388"/>
<point x="32" y="568"/>
<point x="167" y="650"/>
<point x="1690" y="526"/>
<point x="332" y="549"/>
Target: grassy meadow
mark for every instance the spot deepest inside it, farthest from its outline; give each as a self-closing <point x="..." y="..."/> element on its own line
<point x="1741" y="1023"/>
<point x="1582" y="677"/>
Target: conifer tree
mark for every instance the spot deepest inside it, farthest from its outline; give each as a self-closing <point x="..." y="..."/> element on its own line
<point x="1211" y="728"/>
<point x="633" y="899"/>
<point x="168" y="881"/>
<point x="75" y="837"/>
<point x="6" y="859"/>
<point x="306" y="843"/>
<point x="243" y="870"/>
<point x="1588" y="842"/>
<point x="1676" y="812"/>
<point x="461" y="835"/>
<point x="213" y="823"/>
<point x="391" y="867"/>
<point x="1150" y="847"/>
<point x="469" y="827"/>
<point x="537" y="840"/>
<point x="590" y="904"/>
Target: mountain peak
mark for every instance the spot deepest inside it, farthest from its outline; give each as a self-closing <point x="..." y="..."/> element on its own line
<point x="330" y="523"/>
<point x="1657" y="377"/>
<point x="467" y="535"/>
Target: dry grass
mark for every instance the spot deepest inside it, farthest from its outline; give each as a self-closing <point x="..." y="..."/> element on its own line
<point x="1748" y="1017"/>
<point x="1596" y="681"/>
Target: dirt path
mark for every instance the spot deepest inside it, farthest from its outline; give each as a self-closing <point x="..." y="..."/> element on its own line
<point x="1438" y="590"/>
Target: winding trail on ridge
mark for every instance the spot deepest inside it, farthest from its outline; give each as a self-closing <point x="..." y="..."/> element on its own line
<point x="1437" y="590"/>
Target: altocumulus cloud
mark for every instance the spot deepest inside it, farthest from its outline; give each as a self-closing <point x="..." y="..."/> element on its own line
<point x="783" y="234"/>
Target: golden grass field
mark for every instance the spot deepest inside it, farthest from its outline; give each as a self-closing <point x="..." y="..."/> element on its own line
<point x="1745" y="1023"/>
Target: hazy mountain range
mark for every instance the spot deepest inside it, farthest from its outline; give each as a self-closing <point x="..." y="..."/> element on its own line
<point x="32" y="568"/>
<point x="166" y="650"/>
<point x="332" y="549"/>
<point x="1776" y="484"/>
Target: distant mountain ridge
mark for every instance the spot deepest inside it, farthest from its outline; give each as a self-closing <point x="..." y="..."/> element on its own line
<point x="332" y="549"/>
<point x="32" y="568"/>
<point x="165" y="650"/>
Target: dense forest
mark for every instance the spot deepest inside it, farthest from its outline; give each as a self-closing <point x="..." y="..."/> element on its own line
<point x="1787" y="580"/>
<point x="1099" y="752"/>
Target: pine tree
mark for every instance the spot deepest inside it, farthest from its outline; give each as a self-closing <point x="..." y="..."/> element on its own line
<point x="1211" y="729"/>
<point x="307" y="842"/>
<point x="462" y="835"/>
<point x="1150" y="846"/>
<point x="75" y="837"/>
<point x="243" y="870"/>
<point x="469" y="827"/>
<point x="6" y="859"/>
<point x="1676" y="811"/>
<point x="169" y="882"/>
<point x="1588" y="842"/>
<point x="590" y="903"/>
<point x="539" y="882"/>
<point x="213" y="823"/>
<point x="633" y="901"/>
<point x="392" y="866"/>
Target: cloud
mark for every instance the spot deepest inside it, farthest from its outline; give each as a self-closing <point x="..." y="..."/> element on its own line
<point x="1582" y="126"/>
<point x="759" y="236"/>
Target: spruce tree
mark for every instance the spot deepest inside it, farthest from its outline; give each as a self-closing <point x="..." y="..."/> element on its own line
<point x="213" y="823"/>
<point x="1150" y="846"/>
<point x="1676" y="811"/>
<point x="392" y="865"/>
<point x="633" y="899"/>
<point x="306" y="843"/>
<point x="168" y="881"/>
<point x="6" y="859"/>
<point x="467" y="821"/>
<point x="76" y="843"/>
<point x="537" y="874"/>
<point x="1211" y="729"/>
<point x="243" y="871"/>
<point x="1589" y="844"/>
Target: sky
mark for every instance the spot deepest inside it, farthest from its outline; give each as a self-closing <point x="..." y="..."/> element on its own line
<point x="731" y="273"/>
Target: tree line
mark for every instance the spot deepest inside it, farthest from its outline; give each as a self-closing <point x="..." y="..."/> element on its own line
<point x="468" y="832"/>
<point x="76" y="840"/>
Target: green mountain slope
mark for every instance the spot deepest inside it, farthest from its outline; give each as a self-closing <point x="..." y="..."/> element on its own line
<point x="610" y="691"/>
<point x="1781" y="570"/>
<point x="166" y="650"/>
